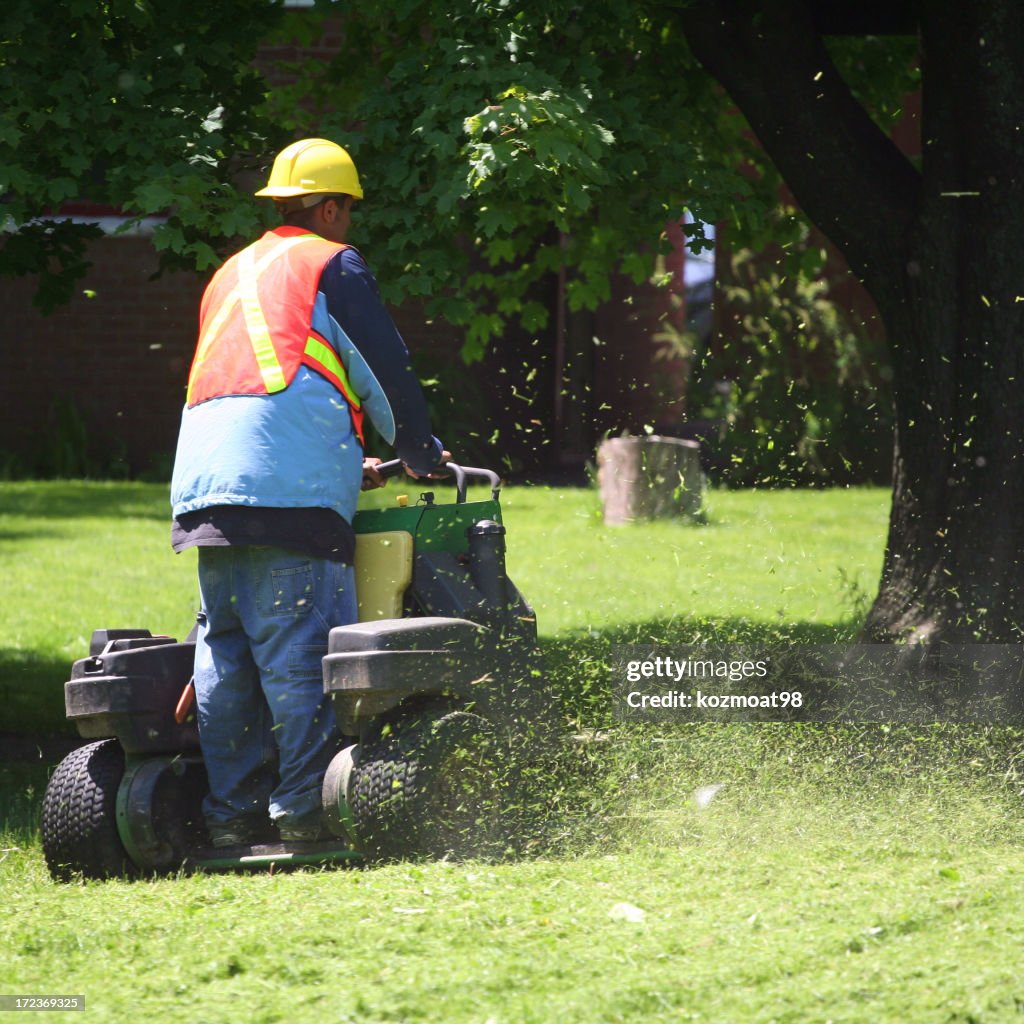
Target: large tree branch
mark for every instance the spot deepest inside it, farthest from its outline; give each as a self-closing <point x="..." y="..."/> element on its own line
<point x="849" y="178"/>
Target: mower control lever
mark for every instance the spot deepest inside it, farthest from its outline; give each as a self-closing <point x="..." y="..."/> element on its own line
<point x="389" y="469"/>
<point x="461" y="474"/>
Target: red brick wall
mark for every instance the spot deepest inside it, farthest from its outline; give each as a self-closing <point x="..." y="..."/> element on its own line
<point x="120" y="358"/>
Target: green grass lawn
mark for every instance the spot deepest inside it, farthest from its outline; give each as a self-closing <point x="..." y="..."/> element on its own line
<point x="782" y="559"/>
<point x="856" y="874"/>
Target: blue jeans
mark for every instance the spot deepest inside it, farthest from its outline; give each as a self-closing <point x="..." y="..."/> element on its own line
<point x="266" y="729"/>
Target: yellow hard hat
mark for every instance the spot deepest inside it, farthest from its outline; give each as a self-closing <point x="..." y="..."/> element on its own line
<point x="312" y="167"/>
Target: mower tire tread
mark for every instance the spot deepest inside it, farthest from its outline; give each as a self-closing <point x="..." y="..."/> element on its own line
<point x="427" y="787"/>
<point x="79" y="822"/>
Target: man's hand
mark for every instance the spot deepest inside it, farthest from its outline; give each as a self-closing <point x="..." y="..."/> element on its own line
<point x="371" y="478"/>
<point x="445" y="457"/>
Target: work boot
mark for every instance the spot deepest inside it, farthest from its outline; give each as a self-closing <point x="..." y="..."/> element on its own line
<point x="236" y="832"/>
<point x="306" y="830"/>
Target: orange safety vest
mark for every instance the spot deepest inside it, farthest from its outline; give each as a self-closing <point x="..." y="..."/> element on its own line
<point x="255" y="322"/>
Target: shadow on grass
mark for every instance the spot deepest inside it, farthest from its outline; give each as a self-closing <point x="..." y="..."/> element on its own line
<point x="578" y="664"/>
<point x="74" y="499"/>
<point x="34" y="735"/>
<point x="32" y="693"/>
<point x="14" y="536"/>
<point x="22" y="785"/>
<point x="32" y="684"/>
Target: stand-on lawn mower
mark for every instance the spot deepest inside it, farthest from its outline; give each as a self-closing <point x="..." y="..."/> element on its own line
<point x="432" y="688"/>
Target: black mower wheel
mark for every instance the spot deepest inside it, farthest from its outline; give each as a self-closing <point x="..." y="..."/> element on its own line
<point x="79" y="827"/>
<point x="427" y="786"/>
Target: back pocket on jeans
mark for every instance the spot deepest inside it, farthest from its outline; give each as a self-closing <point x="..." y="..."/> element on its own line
<point x="287" y="592"/>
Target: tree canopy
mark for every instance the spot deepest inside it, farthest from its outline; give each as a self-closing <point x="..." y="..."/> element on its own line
<point x="502" y="140"/>
<point x="147" y="107"/>
<point x="498" y="140"/>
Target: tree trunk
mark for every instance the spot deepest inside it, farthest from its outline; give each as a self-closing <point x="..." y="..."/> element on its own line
<point x="953" y="564"/>
<point x="939" y="249"/>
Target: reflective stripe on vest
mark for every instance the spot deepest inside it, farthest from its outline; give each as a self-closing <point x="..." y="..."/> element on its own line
<point x="255" y="322"/>
<point x="319" y="356"/>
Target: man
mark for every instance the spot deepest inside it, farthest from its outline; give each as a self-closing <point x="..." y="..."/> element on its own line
<point x="295" y="349"/>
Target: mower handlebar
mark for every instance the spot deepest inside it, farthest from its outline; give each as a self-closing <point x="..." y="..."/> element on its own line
<point x="462" y="475"/>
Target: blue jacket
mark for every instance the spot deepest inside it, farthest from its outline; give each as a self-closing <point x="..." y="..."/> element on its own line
<point x="297" y="448"/>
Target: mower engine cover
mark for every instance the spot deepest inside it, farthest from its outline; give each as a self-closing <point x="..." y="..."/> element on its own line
<point x="372" y="667"/>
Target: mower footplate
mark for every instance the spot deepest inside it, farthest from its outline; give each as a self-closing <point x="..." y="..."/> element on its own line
<point x="271" y="855"/>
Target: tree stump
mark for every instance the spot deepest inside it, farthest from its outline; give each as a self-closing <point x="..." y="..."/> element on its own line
<point x="649" y="478"/>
